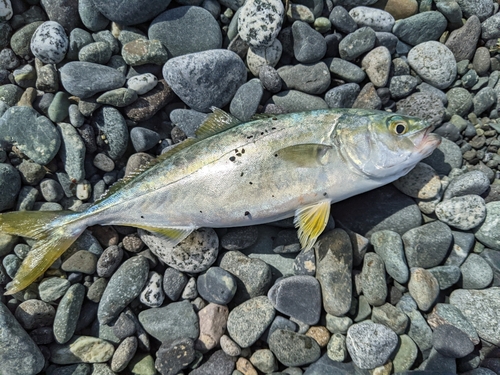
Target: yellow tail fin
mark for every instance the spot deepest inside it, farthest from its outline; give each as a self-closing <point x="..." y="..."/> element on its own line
<point x="55" y="232"/>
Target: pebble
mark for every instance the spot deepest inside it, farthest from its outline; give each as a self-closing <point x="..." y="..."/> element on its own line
<point x="373" y="280"/>
<point x="451" y="341"/>
<point x="187" y="120"/>
<point x="33" y="134"/>
<point x="428" y="245"/>
<point x="300" y="12"/>
<point x="229" y="346"/>
<point x="368" y="98"/>
<point x="109" y="261"/>
<point x="259" y="22"/>
<point x="487" y="232"/>
<point x="333" y="271"/>
<point x="49" y="43"/>
<point x="75" y="76"/>
<point x="218" y="363"/>
<point x="142" y="83"/>
<point x="402" y="86"/>
<point x="482" y="9"/>
<point x="223" y="73"/>
<point x="257" y="57"/>
<point x="264" y="360"/>
<point x="346" y="71"/>
<point x="377" y="64"/>
<point x="152" y="295"/>
<point x="112" y="126"/>
<point x="357" y="43"/>
<point x="389" y="246"/>
<point x="311" y="78"/>
<point x="342" y="20"/>
<point x="434" y="63"/>
<point x="19" y="355"/>
<point x="67" y="313"/>
<point x="464" y="212"/>
<point x="195" y="253"/>
<point x="124" y="354"/>
<point x="246" y="100"/>
<point x="216" y="286"/>
<point x="33" y="314"/>
<point x="174" y="282"/>
<point x="391" y="317"/>
<point x="376" y="19"/>
<point x="420" y="28"/>
<point x="370" y="344"/>
<point x="445" y="313"/>
<point x="461" y="41"/>
<point x="131" y="12"/>
<point x="82" y="261"/>
<point x="309" y="46"/>
<point x="52" y="289"/>
<point x="190" y="292"/>
<point x="149" y="104"/>
<point x="423" y="287"/>
<point x="6" y="11"/>
<point x="447" y="157"/>
<point x="421" y="182"/>
<point x="459" y="101"/>
<point x="72" y="152"/>
<point x="125" y="285"/>
<point x="476" y="272"/>
<point x="293" y="349"/>
<point x="480" y="307"/>
<point x="143" y="139"/>
<point x="298" y="297"/>
<point x="342" y="96"/>
<point x="121" y="97"/>
<point x="213" y="322"/>
<point x="10" y="185"/>
<point x="79" y="349"/>
<point x="270" y="79"/>
<point x="174" y="321"/>
<point x="446" y="276"/>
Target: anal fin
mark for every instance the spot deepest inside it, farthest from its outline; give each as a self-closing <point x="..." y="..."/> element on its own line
<point x="173" y="235"/>
<point x="311" y="221"/>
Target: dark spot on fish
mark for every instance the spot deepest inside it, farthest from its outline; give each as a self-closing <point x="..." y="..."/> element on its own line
<point x="324" y="194"/>
<point x="273" y="128"/>
<point x="238" y="154"/>
<point x="232" y="158"/>
<point x="241" y="175"/>
<point x="201" y="212"/>
<point x="142" y="217"/>
<point x="274" y="119"/>
<point x="251" y="183"/>
<point x="247" y="213"/>
<point x="242" y="150"/>
<point x="272" y="196"/>
<point x="261" y="133"/>
<point x="235" y="150"/>
<point x="250" y="136"/>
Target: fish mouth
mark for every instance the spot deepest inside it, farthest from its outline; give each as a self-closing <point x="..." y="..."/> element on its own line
<point x="428" y="142"/>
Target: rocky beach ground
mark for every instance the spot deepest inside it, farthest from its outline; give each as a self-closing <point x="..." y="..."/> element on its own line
<point x="406" y="278"/>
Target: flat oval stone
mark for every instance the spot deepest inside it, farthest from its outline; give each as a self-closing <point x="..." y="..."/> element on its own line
<point x="476" y="272"/>
<point x="121" y="97"/>
<point x="311" y="79"/>
<point x="420" y="28"/>
<point x="451" y="341"/>
<point x="216" y="286"/>
<point x="97" y="52"/>
<point x="194" y="254"/>
<point x="79" y="349"/>
<point x="248" y="321"/>
<point x="170" y="29"/>
<point x="464" y="213"/>
<point x="259" y="22"/>
<point x="223" y="73"/>
<point x="82" y="261"/>
<point x="130" y="12"/>
<point x="358" y="42"/>
<point x="434" y="63"/>
<point x="421" y="182"/>
<point x="246" y="100"/>
<point x="342" y="96"/>
<point x="68" y="312"/>
<point x="258" y="57"/>
<point x="140" y="52"/>
<point x="445" y="313"/>
<point x="293" y="349"/>
<point x="76" y="75"/>
<point x="377" y="19"/>
<point x="487" y="233"/>
<point x="49" y="43"/>
<point x="423" y="287"/>
<point x="370" y="344"/>
<point x="373" y="280"/>
<point x="125" y="285"/>
<point x="377" y="64"/>
<point x="34" y="135"/>
<point x="391" y="317"/>
<point x="389" y="246"/>
<point x="110" y="123"/>
<point x="18" y="353"/>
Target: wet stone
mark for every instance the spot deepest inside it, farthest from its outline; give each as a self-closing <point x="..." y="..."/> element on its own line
<point x="293" y="349"/>
<point x="248" y="321"/>
<point x="370" y="344"/>
<point x="175" y="321"/>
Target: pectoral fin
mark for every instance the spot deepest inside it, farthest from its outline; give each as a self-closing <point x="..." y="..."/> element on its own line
<point x="172" y="235"/>
<point x="311" y="221"/>
<point x="305" y="155"/>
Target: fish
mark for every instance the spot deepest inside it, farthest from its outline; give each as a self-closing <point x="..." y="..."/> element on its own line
<point x="239" y="174"/>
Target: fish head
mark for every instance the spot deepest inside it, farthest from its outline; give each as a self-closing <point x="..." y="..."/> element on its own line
<point x="383" y="145"/>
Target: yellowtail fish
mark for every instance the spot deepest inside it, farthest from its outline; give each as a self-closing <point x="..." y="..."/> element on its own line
<point x="238" y="174"/>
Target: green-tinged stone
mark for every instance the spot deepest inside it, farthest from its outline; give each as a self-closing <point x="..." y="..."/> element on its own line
<point x="58" y="109"/>
<point x="25" y="76"/>
<point x="10" y="94"/>
<point x="20" y="41"/>
<point x="140" y="52"/>
<point x="322" y="24"/>
<point x="7" y="243"/>
<point x="97" y="52"/>
<point x="142" y="364"/>
<point x="81" y="349"/>
<point x="68" y="312"/>
<point x="118" y="98"/>
<point x="72" y="151"/>
<point x="5" y="34"/>
<point x="405" y="355"/>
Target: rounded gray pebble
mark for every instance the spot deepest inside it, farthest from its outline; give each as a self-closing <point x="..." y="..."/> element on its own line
<point x="270" y="79"/>
<point x="68" y="312"/>
<point x="342" y="96"/>
<point x="124" y="354"/>
<point x="476" y="272"/>
<point x="246" y="100"/>
<point x="358" y="42"/>
<point x="423" y="287"/>
<point x="143" y="139"/>
<point x="293" y="349"/>
<point x="446" y="276"/>
<point x="309" y="46"/>
<point x="52" y="289"/>
<point x="109" y="261"/>
<point x="216" y="286"/>
<point x="451" y="341"/>
<point x="33" y="314"/>
<point x="174" y="282"/>
<point x="389" y="246"/>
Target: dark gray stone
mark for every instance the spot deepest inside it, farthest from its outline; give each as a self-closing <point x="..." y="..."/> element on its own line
<point x="402" y="86"/>
<point x="341" y="20"/>
<point x="216" y="286"/>
<point x="76" y="76"/>
<point x="246" y="100"/>
<point x="345" y="70"/>
<point x="10" y="185"/>
<point x="309" y="46"/>
<point x="298" y="297"/>
<point x="111" y="124"/>
<point x="143" y="139"/>
<point x="175" y="355"/>
<point x="446" y="275"/>
<point x="293" y="349"/>
<point x="446" y="157"/>
<point x="483" y="100"/>
<point x="202" y="34"/>
<point x="219" y="363"/>
<point x="355" y="44"/>
<point x="34" y="135"/>
<point x="451" y="341"/>
<point x="342" y="96"/>
<point x="187" y="120"/>
<point x="223" y="73"/>
<point x="476" y="273"/>
<point x="270" y="79"/>
<point x="72" y="151"/>
<point x="174" y="282"/>
<point x="311" y="79"/>
<point x="297" y="101"/>
<point x="130" y="12"/>
<point x="175" y="321"/>
<point x="90" y="16"/>
<point x="68" y="312"/>
<point x="420" y="28"/>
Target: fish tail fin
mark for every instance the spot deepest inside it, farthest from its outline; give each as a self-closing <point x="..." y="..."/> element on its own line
<point x="54" y="231"/>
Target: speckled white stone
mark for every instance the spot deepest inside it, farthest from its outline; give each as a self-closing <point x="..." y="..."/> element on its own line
<point x="142" y="83"/>
<point x="258" y="57"/>
<point x="5" y="10"/>
<point x="152" y="295"/>
<point x="377" y="19"/>
<point x="259" y="21"/>
<point x="49" y="43"/>
<point x="463" y="213"/>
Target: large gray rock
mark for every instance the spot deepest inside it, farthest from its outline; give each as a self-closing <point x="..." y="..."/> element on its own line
<point x="205" y="79"/>
<point x="130" y="12"/>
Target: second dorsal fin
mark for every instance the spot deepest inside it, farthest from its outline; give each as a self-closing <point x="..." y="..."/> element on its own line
<point x="215" y="123"/>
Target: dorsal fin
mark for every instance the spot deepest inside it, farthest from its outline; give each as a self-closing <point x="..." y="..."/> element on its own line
<point x="215" y="123"/>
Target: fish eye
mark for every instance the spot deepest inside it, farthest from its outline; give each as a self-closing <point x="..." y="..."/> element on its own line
<point x="398" y="127"/>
